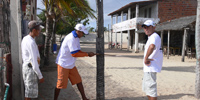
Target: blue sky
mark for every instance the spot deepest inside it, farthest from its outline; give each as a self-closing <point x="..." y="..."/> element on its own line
<point x="109" y="6"/>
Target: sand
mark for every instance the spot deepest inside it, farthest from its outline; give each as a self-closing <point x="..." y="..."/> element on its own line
<point x="123" y="77"/>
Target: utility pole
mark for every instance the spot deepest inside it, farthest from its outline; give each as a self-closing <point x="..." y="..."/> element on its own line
<point x="100" y="85"/>
<point x="16" y="36"/>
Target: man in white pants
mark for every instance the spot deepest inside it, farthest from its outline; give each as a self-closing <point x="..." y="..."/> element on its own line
<point x="153" y="59"/>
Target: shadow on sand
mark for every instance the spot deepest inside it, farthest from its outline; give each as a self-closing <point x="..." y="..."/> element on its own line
<point x="190" y="69"/>
<point x="164" y="97"/>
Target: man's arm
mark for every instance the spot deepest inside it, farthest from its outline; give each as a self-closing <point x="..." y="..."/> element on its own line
<point x="149" y="52"/>
<point x="82" y="54"/>
<point x="34" y="62"/>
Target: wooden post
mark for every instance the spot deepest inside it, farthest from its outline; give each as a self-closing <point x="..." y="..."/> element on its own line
<point x="116" y="33"/>
<point x="111" y="38"/>
<point x="162" y="32"/>
<point x="129" y="17"/>
<point x="121" y="31"/>
<point x="184" y="43"/>
<point x="168" y="44"/>
<point x="108" y="37"/>
<point x="100" y="87"/>
<point x="136" y="33"/>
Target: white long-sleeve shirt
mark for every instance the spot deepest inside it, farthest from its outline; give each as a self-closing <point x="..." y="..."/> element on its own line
<point x="30" y="54"/>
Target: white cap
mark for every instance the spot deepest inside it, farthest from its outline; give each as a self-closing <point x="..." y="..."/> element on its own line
<point x="149" y="23"/>
<point x="82" y="28"/>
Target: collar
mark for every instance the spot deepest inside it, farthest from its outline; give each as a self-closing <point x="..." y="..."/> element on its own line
<point x="74" y="34"/>
<point x="151" y="35"/>
<point x="31" y="37"/>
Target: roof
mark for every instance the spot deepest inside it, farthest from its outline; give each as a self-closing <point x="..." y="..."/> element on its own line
<point x="132" y="5"/>
<point x="176" y="24"/>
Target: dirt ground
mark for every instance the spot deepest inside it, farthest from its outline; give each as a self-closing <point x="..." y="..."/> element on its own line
<point x="123" y="77"/>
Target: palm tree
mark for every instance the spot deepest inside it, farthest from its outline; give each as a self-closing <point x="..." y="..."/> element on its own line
<point x="62" y="8"/>
<point x="100" y="49"/>
<point x="197" y="40"/>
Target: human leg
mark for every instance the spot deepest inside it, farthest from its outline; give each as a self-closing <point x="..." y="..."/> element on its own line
<point x="56" y="93"/>
<point x="27" y="98"/>
<point x="149" y="85"/>
<point x="75" y="78"/>
<point x="81" y="90"/>
<point x="30" y="82"/>
<point x="61" y="81"/>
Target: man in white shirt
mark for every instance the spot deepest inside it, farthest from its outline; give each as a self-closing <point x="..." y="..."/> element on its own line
<point x="31" y="60"/>
<point x="69" y="50"/>
<point x="153" y="58"/>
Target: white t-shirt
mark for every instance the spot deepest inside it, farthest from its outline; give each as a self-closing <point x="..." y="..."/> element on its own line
<point x="69" y="44"/>
<point x="157" y="55"/>
<point x="30" y="54"/>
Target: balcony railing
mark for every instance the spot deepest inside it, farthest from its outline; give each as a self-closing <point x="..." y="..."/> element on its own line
<point x="131" y="24"/>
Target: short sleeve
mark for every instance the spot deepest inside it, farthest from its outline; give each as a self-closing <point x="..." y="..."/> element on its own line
<point x="73" y="45"/>
<point x="153" y="40"/>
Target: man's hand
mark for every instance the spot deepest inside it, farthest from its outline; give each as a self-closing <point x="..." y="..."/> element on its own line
<point x="147" y="61"/>
<point x="38" y="59"/>
<point x="90" y="54"/>
<point x="41" y="80"/>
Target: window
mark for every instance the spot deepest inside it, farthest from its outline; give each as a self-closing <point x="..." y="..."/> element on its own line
<point x="145" y="13"/>
<point x="149" y="12"/>
<point x="133" y="15"/>
<point x="33" y="10"/>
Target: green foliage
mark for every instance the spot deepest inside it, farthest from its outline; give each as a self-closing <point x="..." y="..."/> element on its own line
<point x="91" y="29"/>
<point x="42" y="16"/>
<point x="68" y="13"/>
<point x="105" y="29"/>
<point x="63" y="27"/>
<point x="66" y="24"/>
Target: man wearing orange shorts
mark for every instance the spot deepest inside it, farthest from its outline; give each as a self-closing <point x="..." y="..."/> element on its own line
<point x="69" y="50"/>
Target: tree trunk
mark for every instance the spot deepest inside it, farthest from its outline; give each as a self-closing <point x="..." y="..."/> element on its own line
<point x="53" y="38"/>
<point x="49" y="30"/>
<point x="60" y="39"/>
<point x="100" y="49"/>
<point x="197" y="41"/>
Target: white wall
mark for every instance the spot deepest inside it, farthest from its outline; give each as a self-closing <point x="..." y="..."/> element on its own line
<point x="124" y="35"/>
<point x="92" y="37"/>
<point x="154" y="10"/>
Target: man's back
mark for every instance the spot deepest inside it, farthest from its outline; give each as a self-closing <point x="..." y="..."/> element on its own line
<point x="27" y="44"/>
<point x="69" y="44"/>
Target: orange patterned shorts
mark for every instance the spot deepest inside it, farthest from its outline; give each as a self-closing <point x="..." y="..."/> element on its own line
<point x="65" y="74"/>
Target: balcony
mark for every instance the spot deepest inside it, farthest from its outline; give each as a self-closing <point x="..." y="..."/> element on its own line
<point x="131" y="24"/>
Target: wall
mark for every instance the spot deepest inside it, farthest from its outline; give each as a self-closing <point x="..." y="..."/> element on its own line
<point x="154" y="10"/>
<point x="172" y="9"/>
<point x="124" y="37"/>
<point x="92" y="37"/>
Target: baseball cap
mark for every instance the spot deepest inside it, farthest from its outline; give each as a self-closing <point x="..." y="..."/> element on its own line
<point x="82" y="28"/>
<point x="149" y="23"/>
<point x="32" y="24"/>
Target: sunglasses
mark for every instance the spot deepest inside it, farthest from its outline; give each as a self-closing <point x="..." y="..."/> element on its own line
<point x="145" y="27"/>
